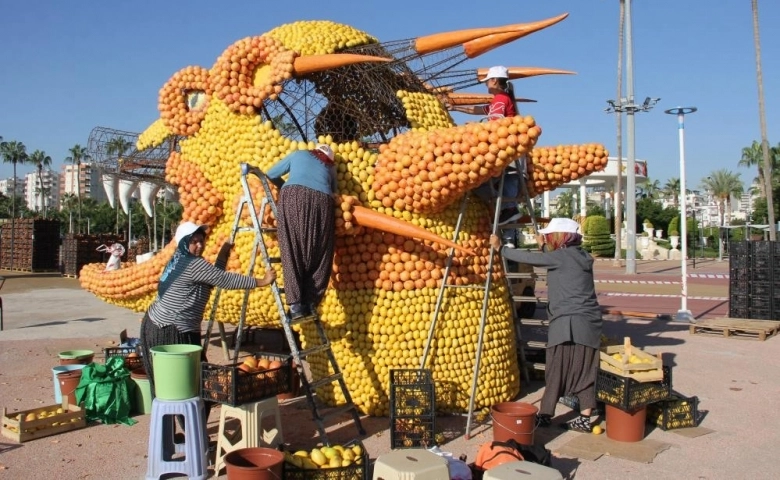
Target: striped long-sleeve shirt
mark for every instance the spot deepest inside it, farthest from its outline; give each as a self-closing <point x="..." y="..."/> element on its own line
<point x="184" y="302"/>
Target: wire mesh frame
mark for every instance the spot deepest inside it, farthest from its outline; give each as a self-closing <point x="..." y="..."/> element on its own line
<point x="147" y="164"/>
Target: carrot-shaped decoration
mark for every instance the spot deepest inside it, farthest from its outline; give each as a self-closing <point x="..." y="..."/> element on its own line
<point x="318" y="63"/>
<point x="525" y="72"/>
<point x="370" y="219"/>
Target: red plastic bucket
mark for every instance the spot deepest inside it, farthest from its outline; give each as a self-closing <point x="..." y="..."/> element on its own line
<point x="626" y="426"/>
<point x="514" y="420"/>
<point x="69" y="381"/>
<point x="256" y="463"/>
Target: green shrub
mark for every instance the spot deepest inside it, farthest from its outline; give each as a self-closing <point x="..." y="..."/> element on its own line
<point x="597" y="240"/>
<point x="674" y="226"/>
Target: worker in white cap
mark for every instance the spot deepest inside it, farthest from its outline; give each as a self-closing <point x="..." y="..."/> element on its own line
<point x="306" y="225"/>
<point x="574" y="334"/>
<point x="503" y="104"/>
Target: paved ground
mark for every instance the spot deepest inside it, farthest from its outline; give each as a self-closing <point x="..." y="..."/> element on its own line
<point x="735" y="381"/>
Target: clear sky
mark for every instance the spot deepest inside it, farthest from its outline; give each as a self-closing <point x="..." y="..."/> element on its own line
<point x="71" y="66"/>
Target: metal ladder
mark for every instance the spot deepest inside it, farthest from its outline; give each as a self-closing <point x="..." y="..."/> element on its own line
<point x="321" y="413"/>
<point x="520" y="167"/>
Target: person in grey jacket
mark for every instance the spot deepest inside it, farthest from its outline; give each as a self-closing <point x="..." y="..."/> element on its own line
<point x="574" y="335"/>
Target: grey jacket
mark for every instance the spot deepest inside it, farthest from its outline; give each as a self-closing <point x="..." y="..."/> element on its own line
<point x="573" y="311"/>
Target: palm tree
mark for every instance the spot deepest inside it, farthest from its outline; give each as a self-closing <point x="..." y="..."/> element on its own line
<point x="16" y="153"/>
<point x="565" y="204"/>
<point x="40" y="160"/>
<point x="77" y="155"/>
<point x="619" y="124"/>
<point x="762" y="118"/>
<point x="649" y="190"/>
<point x="723" y="184"/>
<point x="672" y="189"/>
<point x="752" y="156"/>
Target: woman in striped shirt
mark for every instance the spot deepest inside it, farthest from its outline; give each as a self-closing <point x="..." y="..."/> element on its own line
<point x="175" y="316"/>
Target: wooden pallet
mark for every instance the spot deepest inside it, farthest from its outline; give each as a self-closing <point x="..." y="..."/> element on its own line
<point x="742" y="328"/>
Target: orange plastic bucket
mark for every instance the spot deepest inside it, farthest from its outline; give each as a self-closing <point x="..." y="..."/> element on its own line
<point x="626" y="426"/>
<point x="514" y="420"/>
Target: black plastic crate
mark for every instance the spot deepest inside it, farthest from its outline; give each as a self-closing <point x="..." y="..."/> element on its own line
<point x="358" y="470"/>
<point x="761" y="289"/>
<point x="230" y="385"/>
<point x="739" y="312"/>
<point x="761" y="273"/>
<point x="739" y="249"/>
<point x="760" y="302"/>
<point x="678" y="411"/>
<point x="412" y="408"/>
<point x="628" y="394"/>
<point x="131" y="363"/>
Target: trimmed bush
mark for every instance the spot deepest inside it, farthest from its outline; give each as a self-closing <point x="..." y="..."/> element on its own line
<point x="597" y="240"/>
<point x="674" y="226"/>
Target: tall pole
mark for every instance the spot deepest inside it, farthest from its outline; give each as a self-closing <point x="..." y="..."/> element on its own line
<point x="631" y="163"/>
<point x="618" y="196"/>
<point x="683" y="314"/>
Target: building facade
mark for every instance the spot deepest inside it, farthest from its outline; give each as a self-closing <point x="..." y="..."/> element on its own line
<point x="50" y="190"/>
<point x="7" y="186"/>
<point x="83" y="180"/>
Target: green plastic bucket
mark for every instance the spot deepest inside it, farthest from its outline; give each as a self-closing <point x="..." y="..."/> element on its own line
<point x="76" y="357"/>
<point x="176" y="370"/>
<point x="143" y="392"/>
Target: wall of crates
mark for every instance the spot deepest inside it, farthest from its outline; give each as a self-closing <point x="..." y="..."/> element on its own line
<point x="754" y="280"/>
<point x="36" y="244"/>
<point x="80" y="249"/>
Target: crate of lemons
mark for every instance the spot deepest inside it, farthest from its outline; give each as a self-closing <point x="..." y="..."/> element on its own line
<point x="629" y="361"/>
<point x="42" y="422"/>
<point x="342" y="462"/>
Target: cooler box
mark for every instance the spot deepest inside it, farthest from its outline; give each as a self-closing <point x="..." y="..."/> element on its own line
<point x="519" y="470"/>
<point x="411" y="464"/>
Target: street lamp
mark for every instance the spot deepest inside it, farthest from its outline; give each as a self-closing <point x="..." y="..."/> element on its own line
<point x="683" y="314"/>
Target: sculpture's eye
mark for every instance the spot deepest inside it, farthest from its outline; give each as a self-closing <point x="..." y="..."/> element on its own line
<point x="196" y="100"/>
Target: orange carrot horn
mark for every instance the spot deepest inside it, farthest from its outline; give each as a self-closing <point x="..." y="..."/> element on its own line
<point x="370" y="219"/>
<point x="524" y="72"/>
<point x="318" y="63"/>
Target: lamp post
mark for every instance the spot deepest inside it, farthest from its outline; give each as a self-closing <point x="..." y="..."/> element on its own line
<point x="683" y="314"/>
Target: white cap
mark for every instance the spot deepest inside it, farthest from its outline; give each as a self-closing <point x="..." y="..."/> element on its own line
<point x="561" y="225"/>
<point x="187" y="228"/>
<point x="496" y="72"/>
<point x="326" y="150"/>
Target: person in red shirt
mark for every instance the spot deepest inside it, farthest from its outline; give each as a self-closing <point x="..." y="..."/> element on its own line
<point x="503" y="104"/>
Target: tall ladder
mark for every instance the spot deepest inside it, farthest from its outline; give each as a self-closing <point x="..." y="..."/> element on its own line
<point x="321" y="412"/>
<point x="523" y="195"/>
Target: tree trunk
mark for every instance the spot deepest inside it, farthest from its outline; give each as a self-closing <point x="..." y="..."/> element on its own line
<point x="762" y="117"/>
<point x="78" y="191"/>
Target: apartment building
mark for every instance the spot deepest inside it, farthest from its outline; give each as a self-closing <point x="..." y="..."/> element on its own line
<point x="83" y="180"/>
<point x="50" y="190"/>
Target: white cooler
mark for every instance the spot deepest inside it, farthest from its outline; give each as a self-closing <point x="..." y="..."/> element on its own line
<point x="519" y="470"/>
<point x="411" y="464"/>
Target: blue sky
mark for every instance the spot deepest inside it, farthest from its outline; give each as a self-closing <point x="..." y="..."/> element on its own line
<point x="71" y="66"/>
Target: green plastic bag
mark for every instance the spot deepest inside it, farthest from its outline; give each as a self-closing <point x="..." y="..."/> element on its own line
<point x="105" y="391"/>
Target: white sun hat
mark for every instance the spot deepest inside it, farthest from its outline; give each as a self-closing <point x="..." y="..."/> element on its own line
<point x="326" y="150"/>
<point x="496" y="72"/>
<point x="561" y="225"/>
<point x="187" y="228"/>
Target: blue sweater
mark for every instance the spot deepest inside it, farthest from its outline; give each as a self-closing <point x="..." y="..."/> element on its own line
<point x="305" y="169"/>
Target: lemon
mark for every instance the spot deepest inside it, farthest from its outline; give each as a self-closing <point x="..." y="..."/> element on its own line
<point x="597" y="430"/>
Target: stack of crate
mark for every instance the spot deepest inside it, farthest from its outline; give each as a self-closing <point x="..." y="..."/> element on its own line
<point x="754" y="280"/>
<point x="80" y="249"/>
<point x="35" y="245"/>
<point x="412" y="409"/>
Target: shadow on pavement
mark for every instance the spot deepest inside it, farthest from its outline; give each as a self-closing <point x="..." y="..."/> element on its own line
<point x="63" y="322"/>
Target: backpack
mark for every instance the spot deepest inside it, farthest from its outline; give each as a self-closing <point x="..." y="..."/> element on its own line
<point x="497" y="453"/>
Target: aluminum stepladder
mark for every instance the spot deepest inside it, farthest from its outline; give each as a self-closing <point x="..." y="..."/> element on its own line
<point x="520" y="168"/>
<point x="319" y="411"/>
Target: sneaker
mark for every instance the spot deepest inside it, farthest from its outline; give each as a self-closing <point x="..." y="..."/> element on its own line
<point x="580" y="424"/>
<point x="508" y="215"/>
<point x="543" y="421"/>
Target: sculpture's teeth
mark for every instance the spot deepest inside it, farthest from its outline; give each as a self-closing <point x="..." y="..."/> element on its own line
<point x="318" y="63"/>
<point x="441" y="41"/>
<point x="525" y="72"/>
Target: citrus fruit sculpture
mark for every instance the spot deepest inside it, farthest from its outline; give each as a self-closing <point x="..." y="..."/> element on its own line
<point x="403" y="169"/>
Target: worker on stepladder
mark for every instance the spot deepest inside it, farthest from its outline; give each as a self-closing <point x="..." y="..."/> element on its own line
<point x="502" y="105"/>
<point x="574" y="335"/>
<point x="306" y="225"/>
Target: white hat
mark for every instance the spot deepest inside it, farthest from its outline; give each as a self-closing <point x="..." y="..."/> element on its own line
<point x="326" y="150"/>
<point x="561" y="225"/>
<point x="187" y="228"/>
<point x="496" y="72"/>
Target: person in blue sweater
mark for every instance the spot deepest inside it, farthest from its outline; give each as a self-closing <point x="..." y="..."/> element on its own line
<point x="306" y="225"/>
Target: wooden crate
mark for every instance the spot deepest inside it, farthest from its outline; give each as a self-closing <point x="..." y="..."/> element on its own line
<point x="741" y="328"/>
<point x="629" y="361"/>
<point x="47" y="421"/>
